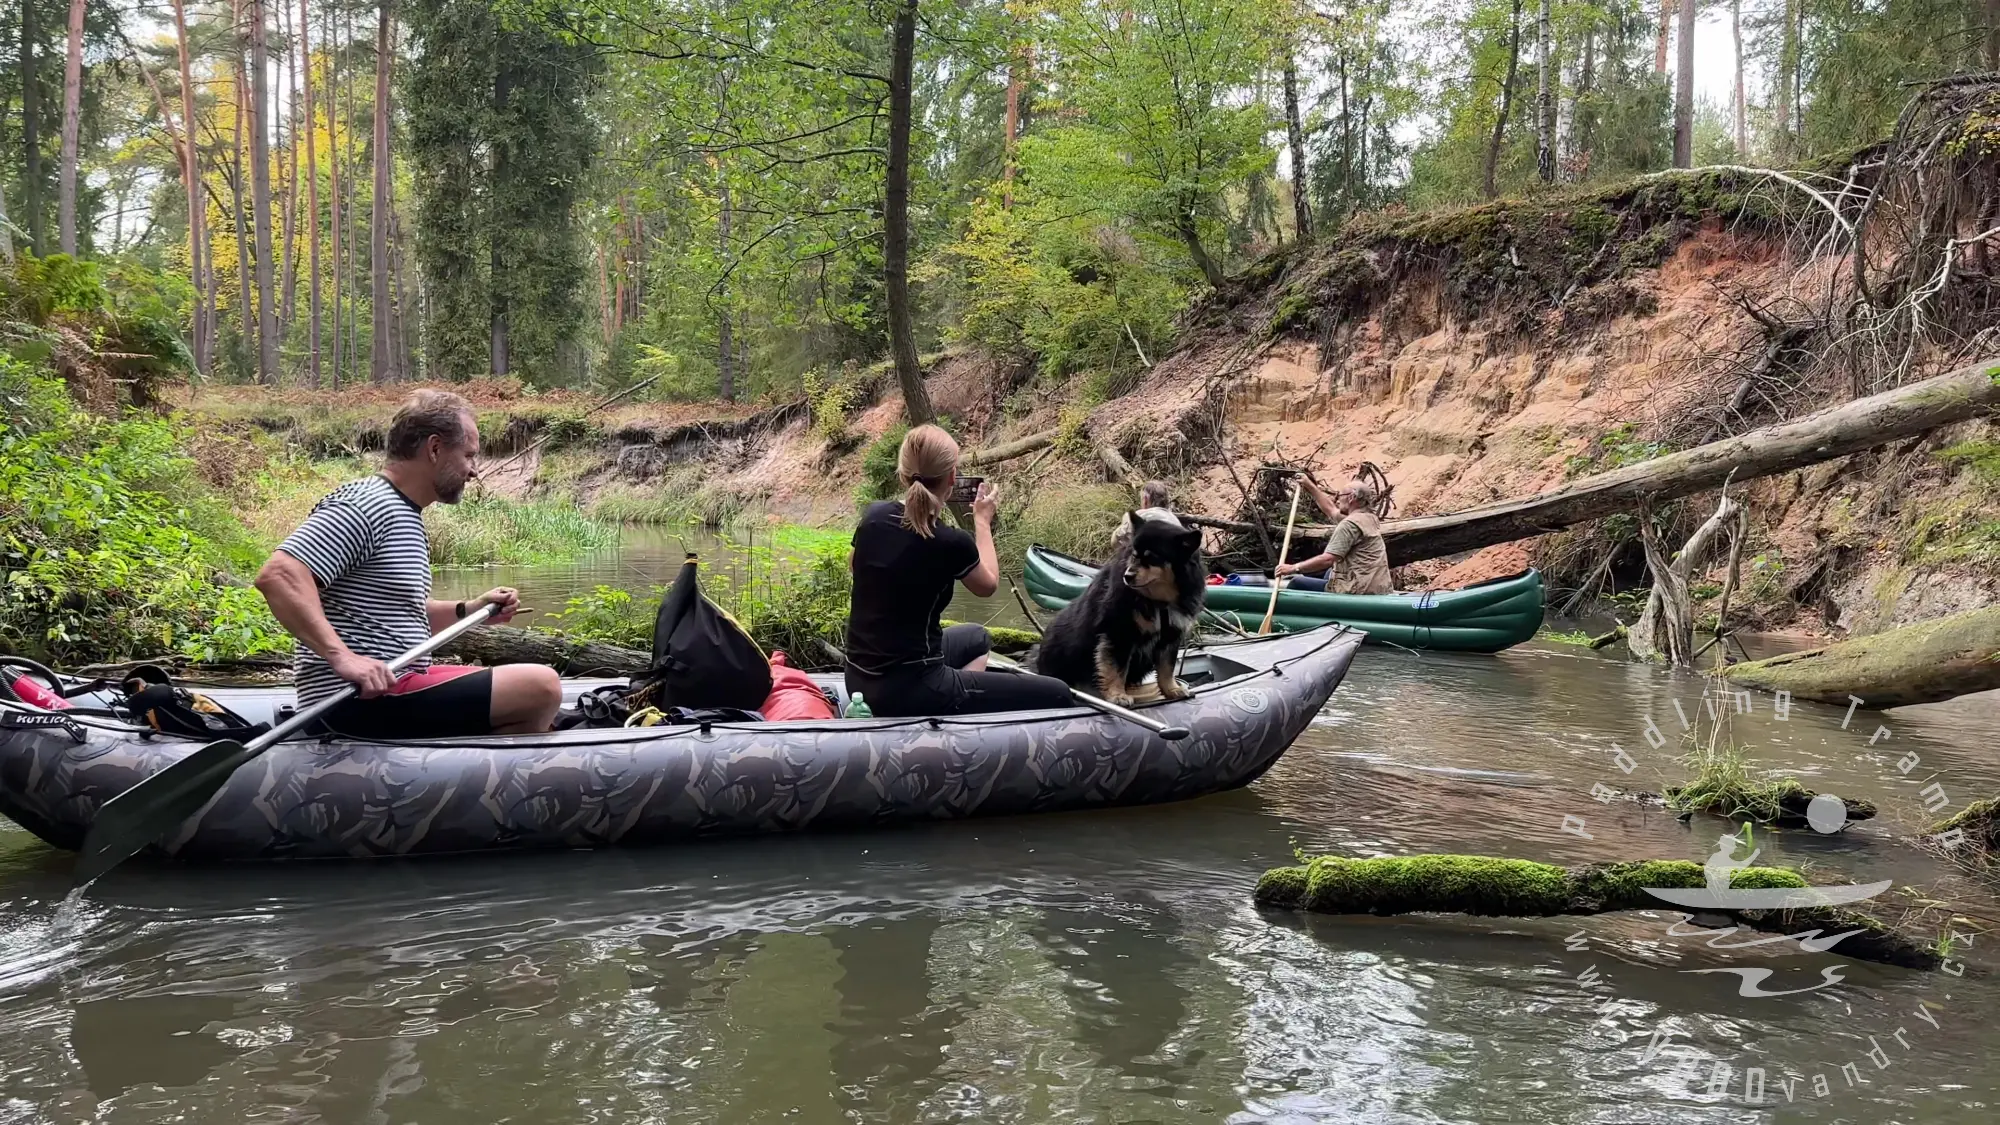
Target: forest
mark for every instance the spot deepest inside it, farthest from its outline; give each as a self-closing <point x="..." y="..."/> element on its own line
<point x="732" y="197"/>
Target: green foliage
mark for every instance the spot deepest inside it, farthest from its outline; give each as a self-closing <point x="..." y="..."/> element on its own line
<point x="501" y="143"/>
<point x="485" y="530"/>
<point x="1074" y="519"/>
<point x="1981" y="457"/>
<point x="786" y="604"/>
<point x="878" y="467"/>
<point x="100" y="555"/>
<point x="1614" y="450"/>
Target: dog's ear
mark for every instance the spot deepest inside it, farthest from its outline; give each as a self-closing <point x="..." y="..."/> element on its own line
<point x="1134" y="519"/>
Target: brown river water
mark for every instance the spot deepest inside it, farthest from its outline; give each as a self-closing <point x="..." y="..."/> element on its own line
<point x="1101" y="967"/>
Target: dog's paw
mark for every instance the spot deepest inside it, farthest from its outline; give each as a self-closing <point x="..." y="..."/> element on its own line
<point x="1118" y="697"/>
<point x="1171" y="688"/>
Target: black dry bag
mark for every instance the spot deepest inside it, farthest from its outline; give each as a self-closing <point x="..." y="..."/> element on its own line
<point x="701" y="657"/>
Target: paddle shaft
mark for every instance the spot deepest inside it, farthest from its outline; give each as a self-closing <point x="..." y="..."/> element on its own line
<point x="1164" y="730"/>
<point x="308" y="715"/>
<point x="1278" y="583"/>
<point x="165" y="800"/>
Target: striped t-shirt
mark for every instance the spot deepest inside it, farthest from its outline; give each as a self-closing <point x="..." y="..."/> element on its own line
<point x="365" y="545"/>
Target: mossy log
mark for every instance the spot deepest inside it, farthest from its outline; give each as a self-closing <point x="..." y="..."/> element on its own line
<point x="1848" y="428"/>
<point x="1979" y="822"/>
<point x="506" y="644"/>
<point x="1517" y="888"/>
<point x="1921" y="663"/>
<point x="1004" y="640"/>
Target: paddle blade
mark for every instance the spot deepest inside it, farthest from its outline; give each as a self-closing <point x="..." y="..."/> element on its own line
<point x="1173" y="734"/>
<point x="155" y="807"/>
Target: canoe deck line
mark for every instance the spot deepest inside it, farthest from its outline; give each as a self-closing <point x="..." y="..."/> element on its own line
<point x="1485" y="617"/>
<point x="603" y="787"/>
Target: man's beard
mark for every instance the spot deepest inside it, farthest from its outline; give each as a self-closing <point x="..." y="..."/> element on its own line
<point x="450" y="488"/>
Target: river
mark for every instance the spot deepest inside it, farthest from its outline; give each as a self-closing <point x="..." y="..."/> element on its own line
<point x="1103" y="967"/>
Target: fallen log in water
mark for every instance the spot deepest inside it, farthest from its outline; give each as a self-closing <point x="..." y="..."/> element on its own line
<point x="1849" y="428"/>
<point x="1921" y="663"/>
<point x="1516" y="888"/>
<point x="507" y="644"/>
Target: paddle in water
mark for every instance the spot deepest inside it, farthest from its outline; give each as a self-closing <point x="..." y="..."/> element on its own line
<point x="1169" y="732"/>
<point x="164" y="801"/>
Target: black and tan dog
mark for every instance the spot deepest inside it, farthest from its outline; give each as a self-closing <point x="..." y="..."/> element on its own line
<point x="1133" y="617"/>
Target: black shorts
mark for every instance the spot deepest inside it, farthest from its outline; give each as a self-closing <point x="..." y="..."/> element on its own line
<point x="946" y="688"/>
<point x="453" y="708"/>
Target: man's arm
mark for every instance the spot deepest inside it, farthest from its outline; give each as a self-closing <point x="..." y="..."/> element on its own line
<point x="443" y="614"/>
<point x="1320" y="496"/>
<point x="288" y="585"/>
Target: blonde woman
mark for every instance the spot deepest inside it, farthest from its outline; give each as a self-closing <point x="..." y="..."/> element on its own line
<point x="906" y="565"/>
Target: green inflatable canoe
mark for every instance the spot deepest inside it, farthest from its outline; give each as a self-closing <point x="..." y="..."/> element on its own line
<point x="1486" y="617"/>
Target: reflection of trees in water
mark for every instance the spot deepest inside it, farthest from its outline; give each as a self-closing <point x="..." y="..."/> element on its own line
<point x="896" y="1017"/>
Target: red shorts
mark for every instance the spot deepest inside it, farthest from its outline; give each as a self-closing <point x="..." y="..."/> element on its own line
<point x="442" y="701"/>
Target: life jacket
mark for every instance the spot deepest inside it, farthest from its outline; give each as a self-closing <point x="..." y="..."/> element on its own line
<point x="702" y="657"/>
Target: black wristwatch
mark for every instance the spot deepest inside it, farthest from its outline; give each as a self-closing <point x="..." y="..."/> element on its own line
<point x="461" y="611"/>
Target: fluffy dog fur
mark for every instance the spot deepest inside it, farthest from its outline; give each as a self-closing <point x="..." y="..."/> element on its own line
<point x="1133" y="617"/>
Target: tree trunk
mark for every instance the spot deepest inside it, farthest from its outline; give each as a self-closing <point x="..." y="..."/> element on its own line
<point x="1992" y="35"/>
<point x="31" y="131"/>
<point x="1516" y="888"/>
<point x="334" y="227"/>
<point x="1742" y="107"/>
<point x="406" y="362"/>
<point x="1347" y="193"/>
<point x="1922" y="663"/>
<point x="197" y="200"/>
<point x="1666" y="628"/>
<point x="350" y="344"/>
<point x="288" y="237"/>
<point x="245" y="324"/>
<point x="1545" y="106"/>
<point x="1007" y="451"/>
<point x="1864" y="423"/>
<point x="1788" y="63"/>
<point x="384" y="360"/>
<point x="1684" y="90"/>
<point x="1011" y="122"/>
<point x="1190" y="234"/>
<point x="1667" y="9"/>
<point x="312" y="201"/>
<point x="71" y="128"/>
<point x="1491" y="184"/>
<point x="260" y="192"/>
<point x="507" y="644"/>
<point x="725" y="368"/>
<point x="896" y="218"/>
<point x="1295" y="136"/>
<point x="1583" y="116"/>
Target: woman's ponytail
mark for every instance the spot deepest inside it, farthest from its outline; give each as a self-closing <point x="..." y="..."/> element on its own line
<point x="928" y="458"/>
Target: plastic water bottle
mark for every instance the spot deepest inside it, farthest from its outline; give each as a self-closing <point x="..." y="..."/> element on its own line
<point x="857" y="708"/>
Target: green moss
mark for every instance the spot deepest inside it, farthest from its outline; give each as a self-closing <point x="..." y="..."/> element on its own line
<point x="1980" y="821"/>
<point x="1486" y="885"/>
<point x="1005" y="641"/>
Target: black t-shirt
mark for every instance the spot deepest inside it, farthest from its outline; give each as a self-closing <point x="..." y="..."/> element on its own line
<point x="902" y="582"/>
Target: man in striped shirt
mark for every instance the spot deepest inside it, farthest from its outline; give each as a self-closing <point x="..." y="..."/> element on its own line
<point x="353" y="586"/>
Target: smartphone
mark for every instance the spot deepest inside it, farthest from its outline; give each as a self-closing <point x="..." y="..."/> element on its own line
<point x="966" y="489"/>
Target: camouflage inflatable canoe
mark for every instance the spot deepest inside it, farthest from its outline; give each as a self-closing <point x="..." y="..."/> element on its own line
<point x="596" y="788"/>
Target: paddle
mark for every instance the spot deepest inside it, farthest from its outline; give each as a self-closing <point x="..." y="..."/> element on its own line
<point x="1170" y="733"/>
<point x="160" y="803"/>
<point x="1277" y="583"/>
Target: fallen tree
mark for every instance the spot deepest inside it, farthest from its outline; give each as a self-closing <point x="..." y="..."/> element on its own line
<point x="506" y="644"/>
<point x="1922" y="663"/>
<point x="1516" y="888"/>
<point x="1848" y="428"/>
<point x="1008" y="450"/>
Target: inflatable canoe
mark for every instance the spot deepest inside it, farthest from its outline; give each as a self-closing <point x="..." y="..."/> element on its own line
<point x="1487" y="617"/>
<point x="599" y="787"/>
